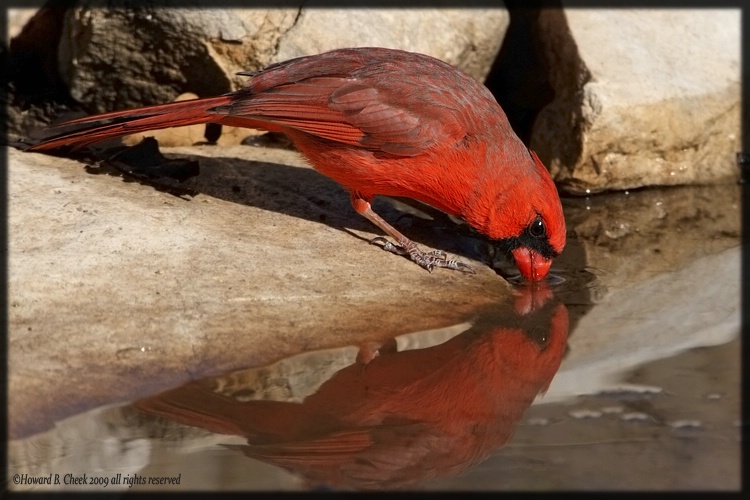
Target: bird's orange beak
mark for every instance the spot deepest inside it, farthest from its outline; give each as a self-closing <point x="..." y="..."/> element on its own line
<point x="533" y="266"/>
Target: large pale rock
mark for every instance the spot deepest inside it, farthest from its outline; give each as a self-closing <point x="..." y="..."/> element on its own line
<point x="642" y="97"/>
<point x="468" y="38"/>
<point x="117" y="290"/>
<point x="116" y="58"/>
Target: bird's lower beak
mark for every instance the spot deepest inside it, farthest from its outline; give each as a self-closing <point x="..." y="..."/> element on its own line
<point x="533" y="266"/>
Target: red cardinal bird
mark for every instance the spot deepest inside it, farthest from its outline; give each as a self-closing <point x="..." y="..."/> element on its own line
<point x="384" y="122"/>
<point x="400" y="419"/>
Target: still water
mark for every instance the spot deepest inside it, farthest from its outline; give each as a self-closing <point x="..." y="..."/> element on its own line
<point x="620" y="372"/>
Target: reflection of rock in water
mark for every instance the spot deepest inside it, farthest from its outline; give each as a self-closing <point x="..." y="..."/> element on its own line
<point x="396" y="421"/>
<point x="291" y="379"/>
<point x="296" y="377"/>
<point x="667" y="270"/>
<point x="659" y="317"/>
<point x="621" y="239"/>
<point x="633" y="236"/>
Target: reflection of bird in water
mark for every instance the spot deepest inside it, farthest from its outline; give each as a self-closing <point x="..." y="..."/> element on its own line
<point x="402" y="418"/>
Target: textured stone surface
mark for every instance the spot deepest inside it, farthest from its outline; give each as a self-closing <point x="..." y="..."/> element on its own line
<point x="642" y="97"/>
<point x="117" y="290"/>
<point x="117" y="58"/>
<point x="468" y="37"/>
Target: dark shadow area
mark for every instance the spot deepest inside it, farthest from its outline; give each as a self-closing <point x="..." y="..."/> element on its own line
<point x="519" y="77"/>
<point x="295" y="191"/>
<point x="33" y="91"/>
<point x="538" y="79"/>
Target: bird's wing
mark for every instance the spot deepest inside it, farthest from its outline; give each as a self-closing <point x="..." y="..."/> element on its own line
<point x="355" y="111"/>
<point x="364" y="457"/>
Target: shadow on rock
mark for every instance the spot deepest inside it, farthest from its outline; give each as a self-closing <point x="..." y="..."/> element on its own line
<point x="291" y="190"/>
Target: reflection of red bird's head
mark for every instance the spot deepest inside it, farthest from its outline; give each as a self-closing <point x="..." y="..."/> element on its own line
<point x="403" y="418"/>
<point x="531" y="297"/>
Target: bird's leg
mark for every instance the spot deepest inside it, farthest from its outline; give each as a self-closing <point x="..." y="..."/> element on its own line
<point x="404" y="246"/>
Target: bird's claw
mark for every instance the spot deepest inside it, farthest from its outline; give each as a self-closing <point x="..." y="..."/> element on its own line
<point x="427" y="260"/>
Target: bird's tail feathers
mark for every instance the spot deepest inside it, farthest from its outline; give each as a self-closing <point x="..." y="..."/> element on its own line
<point x="81" y="132"/>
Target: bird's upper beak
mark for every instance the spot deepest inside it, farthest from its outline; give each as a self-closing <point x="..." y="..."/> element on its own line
<point x="533" y="266"/>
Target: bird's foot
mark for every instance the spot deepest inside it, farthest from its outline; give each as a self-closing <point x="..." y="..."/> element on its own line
<point x="427" y="260"/>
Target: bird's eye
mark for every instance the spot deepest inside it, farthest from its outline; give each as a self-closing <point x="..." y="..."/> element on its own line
<point x="536" y="228"/>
